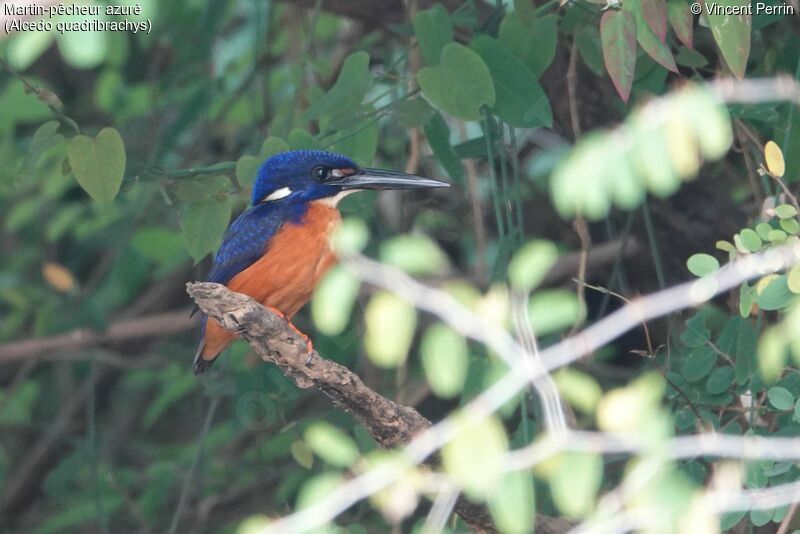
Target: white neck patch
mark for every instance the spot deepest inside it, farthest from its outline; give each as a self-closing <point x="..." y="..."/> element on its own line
<point x="333" y="201"/>
<point x="278" y="194"/>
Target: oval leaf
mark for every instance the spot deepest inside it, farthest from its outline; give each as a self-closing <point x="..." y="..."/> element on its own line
<point x="390" y="323"/>
<point x="618" y="36"/>
<point x="702" y="264"/>
<point x="445" y="360"/>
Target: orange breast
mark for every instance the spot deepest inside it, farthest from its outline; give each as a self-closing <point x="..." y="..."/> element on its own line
<point x="298" y="255"/>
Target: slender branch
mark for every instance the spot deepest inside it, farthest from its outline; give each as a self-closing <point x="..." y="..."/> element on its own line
<point x="162" y="324"/>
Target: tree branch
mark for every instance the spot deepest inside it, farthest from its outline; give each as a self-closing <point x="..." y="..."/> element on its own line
<point x="390" y="423"/>
<point x="161" y="324"/>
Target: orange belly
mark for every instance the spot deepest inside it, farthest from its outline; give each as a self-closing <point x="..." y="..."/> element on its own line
<point x="298" y="256"/>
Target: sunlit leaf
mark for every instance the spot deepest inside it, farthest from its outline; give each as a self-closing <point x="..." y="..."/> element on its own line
<point x="475" y="457"/>
<point x="513" y="505"/>
<point x="531" y="263"/>
<point x="774" y="159"/>
<point x="445" y="360"/>
<point x="702" y="264"/>
<point x="333" y="301"/>
<point x="331" y="444"/>
<point x="390" y="323"/>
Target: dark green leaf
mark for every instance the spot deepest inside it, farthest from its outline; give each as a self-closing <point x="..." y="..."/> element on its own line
<point x="203" y="226"/>
<point x="775" y="295"/>
<point x="698" y="363"/>
<point x="438" y="135"/>
<point x="520" y="101"/>
<point x="413" y="112"/>
<point x="780" y="398"/>
<point x="720" y="380"/>
<point x="696" y="333"/>
<point x="344" y="98"/>
<point x="534" y="43"/>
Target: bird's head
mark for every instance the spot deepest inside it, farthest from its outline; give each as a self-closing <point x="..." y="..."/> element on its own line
<point x="301" y="176"/>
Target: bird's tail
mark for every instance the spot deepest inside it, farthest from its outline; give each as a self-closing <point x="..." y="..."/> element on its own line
<point x="201" y="365"/>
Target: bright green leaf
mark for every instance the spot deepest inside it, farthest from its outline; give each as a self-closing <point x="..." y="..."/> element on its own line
<point x="390" y="323"/>
<point x="445" y="360"/>
<point x="702" y="264"/>
<point x="331" y="444"/>
<point x="531" y="263"/>
<point x="333" y="301"/>
<point x="575" y="481"/>
<point x="416" y="254"/>
<point x="513" y="505"/>
<point x="475" y="458"/>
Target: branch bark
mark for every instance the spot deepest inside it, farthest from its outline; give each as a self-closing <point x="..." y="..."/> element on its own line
<point x="390" y="423"/>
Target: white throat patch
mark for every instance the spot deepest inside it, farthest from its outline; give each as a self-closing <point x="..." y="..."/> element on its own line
<point x="278" y="194"/>
<point x="334" y="200"/>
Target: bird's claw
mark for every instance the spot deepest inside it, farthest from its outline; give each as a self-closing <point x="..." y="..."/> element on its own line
<point x="309" y="344"/>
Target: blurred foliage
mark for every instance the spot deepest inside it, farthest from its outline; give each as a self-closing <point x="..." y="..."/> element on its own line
<point x="125" y="155"/>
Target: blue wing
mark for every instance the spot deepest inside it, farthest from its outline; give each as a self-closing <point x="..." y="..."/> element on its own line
<point x="245" y="241"/>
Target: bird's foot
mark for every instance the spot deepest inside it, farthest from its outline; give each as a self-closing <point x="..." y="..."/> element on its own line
<point x="309" y="344"/>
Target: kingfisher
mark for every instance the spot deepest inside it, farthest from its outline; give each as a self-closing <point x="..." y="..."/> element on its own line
<point x="278" y="249"/>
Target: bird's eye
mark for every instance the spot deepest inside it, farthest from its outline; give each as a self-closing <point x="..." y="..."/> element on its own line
<point x="321" y="173"/>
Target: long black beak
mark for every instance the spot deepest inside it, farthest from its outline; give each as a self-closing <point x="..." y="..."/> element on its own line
<point x="380" y="179"/>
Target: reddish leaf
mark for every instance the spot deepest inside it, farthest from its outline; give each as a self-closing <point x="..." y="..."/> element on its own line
<point x="681" y="20"/>
<point x="655" y="14"/>
<point x="647" y="38"/>
<point x="618" y="36"/>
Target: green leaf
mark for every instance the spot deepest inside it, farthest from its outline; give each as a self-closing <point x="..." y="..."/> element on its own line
<point x="444" y="359"/>
<point x="531" y="263"/>
<point x="351" y="236"/>
<point x="434" y="30"/>
<point x="438" y="135"/>
<point x="655" y="14"/>
<point x="780" y="398"/>
<point x="317" y="488"/>
<point x="696" y="333"/>
<point x="333" y="301"/>
<point x="575" y="481"/>
<point x="513" y="505"/>
<point x="698" y="363"/>
<point x="300" y="139"/>
<point x="271" y="146"/>
<point x="579" y="389"/>
<point x="44" y="138"/>
<point x="720" y="380"/>
<point x="98" y="163"/>
<point x="178" y="386"/>
<point x="775" y="295"/>
<point x="793" y="279"/>
<point x="702" y="264"/>
<point x="785" y="211"/>
<point x="750" y="240"/>
<point x="554" y="309"/>
<point x="520" y="100"/>
<point x="203" y="224"/>
<point x="618" y="36"/>
<point x="331" y="444"/>
<point x="461" y="85"/>
<point x="360" y="146"/>
<point x="738" y="339"/>
<point x="413" y="112"/>
<point x="416" y="254"/>
<point x="475" y="457"/>
<point x="746" y="300"/>
<point x="682" y="21"/>
<point x="771" y="354"/>
<point x="390" y="323"/>
<point x="247" y="169"/>
<point x="159" y="245"/>
<point x="534" y="43"/>
<point x="344" y="98"/>
<point x="732" y="33"/>
<point x="763" y="229"/>
<point x="649" y="41"/>
<point x="790" y="226"/>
